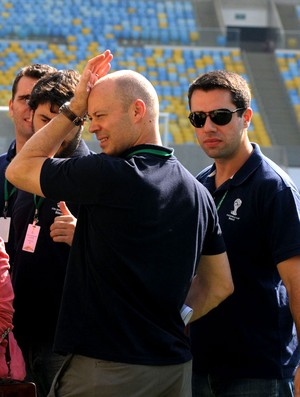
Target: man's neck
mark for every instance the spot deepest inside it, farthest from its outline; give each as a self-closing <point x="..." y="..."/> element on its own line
<point x="20" y="142"/>
<point x="227" y="167"/>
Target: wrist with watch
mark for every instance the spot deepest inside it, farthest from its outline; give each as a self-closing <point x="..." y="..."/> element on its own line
<point x="66" y="111"/>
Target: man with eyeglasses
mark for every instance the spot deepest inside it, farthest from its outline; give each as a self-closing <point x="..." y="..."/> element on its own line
<point x="248" y="345"/>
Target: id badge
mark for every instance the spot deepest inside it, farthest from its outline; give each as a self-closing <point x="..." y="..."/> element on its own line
<point x="31" y="238"/>
<point x="4" y="228"/>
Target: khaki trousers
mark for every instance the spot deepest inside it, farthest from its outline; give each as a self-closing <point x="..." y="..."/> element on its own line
<point x="88" y="377"/>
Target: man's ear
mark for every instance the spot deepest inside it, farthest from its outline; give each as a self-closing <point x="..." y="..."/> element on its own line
<point x="139" y="109"/>
<point x="247" y="115"/>
<point x="10" y="108"/>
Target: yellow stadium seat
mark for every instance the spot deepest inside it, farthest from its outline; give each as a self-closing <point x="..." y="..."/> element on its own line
<point x="163" y="24"/>
<point x="194" y="36"/>
<point x="290" y="84"/>
<point x="292" y="42"/>
<point x="77" y="21"/>
<point x="71" y="38"/>
<point x="86" y="31"/>
<point x="72" y="47"/>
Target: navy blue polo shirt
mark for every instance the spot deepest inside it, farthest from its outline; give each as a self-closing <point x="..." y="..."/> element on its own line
<point x="251" y="334"/>
<point x="7" y="193"/>
<point x="5" y="159"/>
<point x="143" y="223"/>
<point x="38" y="277"/>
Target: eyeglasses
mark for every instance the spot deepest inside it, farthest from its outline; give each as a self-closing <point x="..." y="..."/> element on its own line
<point x="218" y="116"/>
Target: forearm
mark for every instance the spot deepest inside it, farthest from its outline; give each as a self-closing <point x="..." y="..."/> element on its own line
<point x="210" y="286"/>
<point x="24" y="170"/>
<point x="198" y="299"/>
<point x="295" y="310"/>
<point x="201" y="298"/>
<point x="289" y="272"/>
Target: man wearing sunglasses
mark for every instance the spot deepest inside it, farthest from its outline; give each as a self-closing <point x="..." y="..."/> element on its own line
<point x="248" y="345"/>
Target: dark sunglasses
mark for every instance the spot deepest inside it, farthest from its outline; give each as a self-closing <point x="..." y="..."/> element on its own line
<point x="218" y="116"/>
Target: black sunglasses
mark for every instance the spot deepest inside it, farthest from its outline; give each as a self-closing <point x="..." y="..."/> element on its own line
<point x="218" y="116"/>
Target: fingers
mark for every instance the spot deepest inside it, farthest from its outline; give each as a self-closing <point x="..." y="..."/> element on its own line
<point x="103" y="67"/>
<point x="63" y="222"/>
<point x="100" y="63"/>
<point x="96" y="68"/>
<point x="62" y="229"/>
<point x="64" y="209"/>
<point x="63" y="238"/>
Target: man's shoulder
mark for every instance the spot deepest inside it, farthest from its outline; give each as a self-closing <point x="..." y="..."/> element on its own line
<point x="3" y="162"/>
<point x="266" y="171"/>
<point x="273" y="173"/>
<point x="202" y="175"/>
<point x="3" y="157"/>
<point x="82" y="150"/>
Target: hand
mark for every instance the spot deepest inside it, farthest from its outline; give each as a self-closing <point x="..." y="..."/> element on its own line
<point x="96" y="68"/>
<point x="63" y="228"/>
<point x="297" y="383"/>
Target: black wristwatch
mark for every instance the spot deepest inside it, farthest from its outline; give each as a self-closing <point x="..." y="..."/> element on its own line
<point x="66" y="111"/>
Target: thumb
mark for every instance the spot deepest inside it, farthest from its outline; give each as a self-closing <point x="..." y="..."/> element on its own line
<point x="64" y="209"/>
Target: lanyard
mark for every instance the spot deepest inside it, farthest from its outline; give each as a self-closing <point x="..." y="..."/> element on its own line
<point x="221" y="201"/>
<point x="37" y="202"/>
<point x="7" y="195"/>
<point x="157" y="152"/>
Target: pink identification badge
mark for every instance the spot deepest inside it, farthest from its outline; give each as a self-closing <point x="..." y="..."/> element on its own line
<point x="31" y="238"/>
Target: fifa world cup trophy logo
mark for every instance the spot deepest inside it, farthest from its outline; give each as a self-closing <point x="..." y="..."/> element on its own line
<point x="236" y="205"/>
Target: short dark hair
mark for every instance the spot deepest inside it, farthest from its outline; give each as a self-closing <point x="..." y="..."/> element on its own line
<point x="56" y="89"/>
<point x="35" y="71"/>
<point x="224" y="80"/>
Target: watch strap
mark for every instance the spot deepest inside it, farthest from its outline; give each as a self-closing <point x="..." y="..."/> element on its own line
<point x="66" y="111"/>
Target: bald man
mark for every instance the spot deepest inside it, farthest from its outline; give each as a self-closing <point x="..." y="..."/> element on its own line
<point x="144" y="225"/>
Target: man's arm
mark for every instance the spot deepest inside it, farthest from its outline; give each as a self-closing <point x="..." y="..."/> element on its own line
<point x="211" y="284"/>
<point x="289" y="272"/>
<point x="24" y="170"/>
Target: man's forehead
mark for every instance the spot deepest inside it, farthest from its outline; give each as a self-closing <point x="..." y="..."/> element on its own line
<point x="47" y="108"/>
<point x="26" y="84"/>
<point x="215" y="97"/>
<point x="102" y="100"/>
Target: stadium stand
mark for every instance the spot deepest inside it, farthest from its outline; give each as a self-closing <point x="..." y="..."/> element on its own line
<point x="170" y="42"/>
<point x="289" y="66"/>
<point x="160" y="39"/>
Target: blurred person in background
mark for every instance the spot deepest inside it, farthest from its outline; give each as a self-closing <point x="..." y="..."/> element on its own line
<point x="248" y="345"/>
